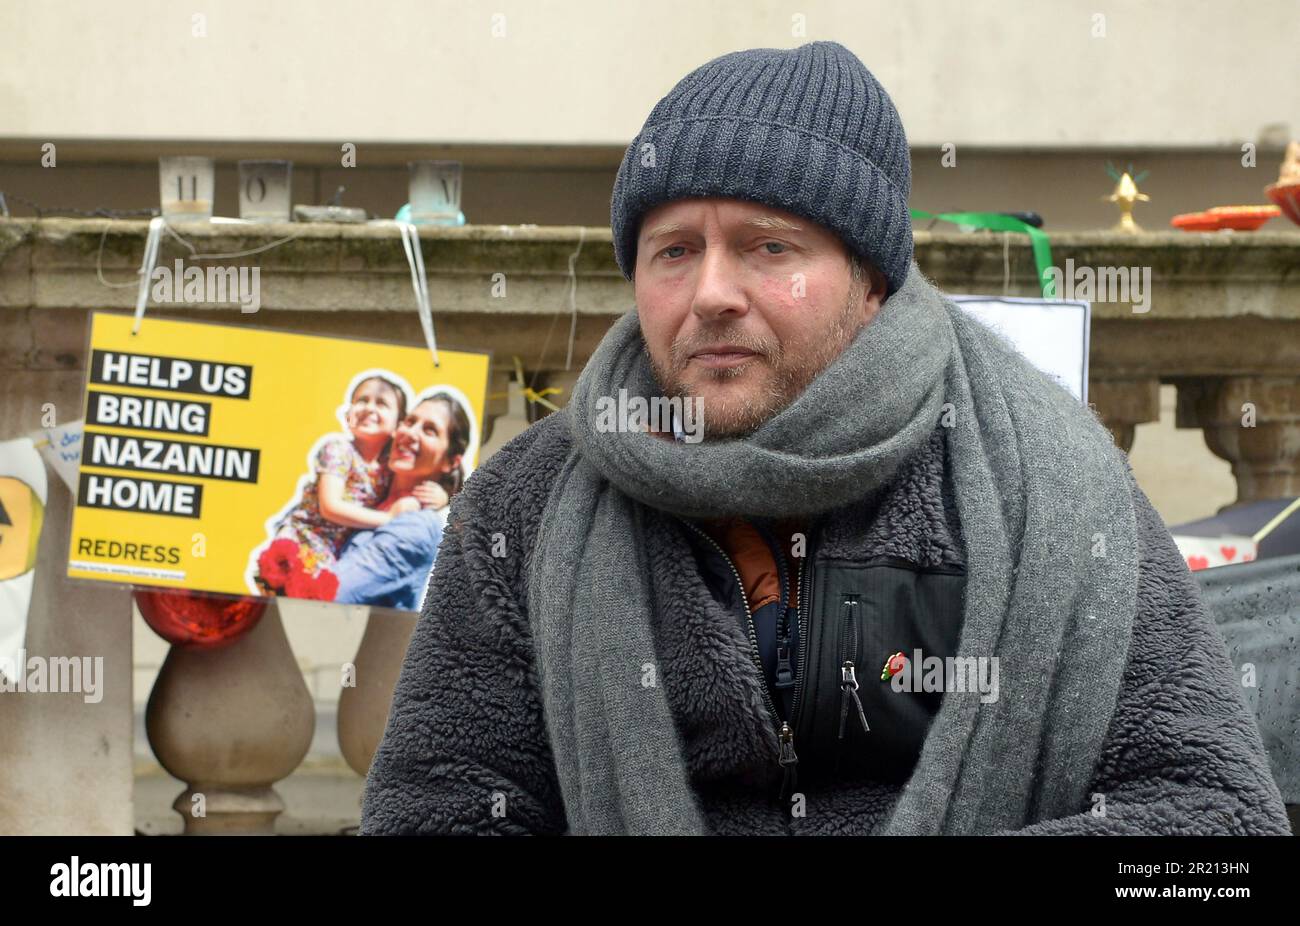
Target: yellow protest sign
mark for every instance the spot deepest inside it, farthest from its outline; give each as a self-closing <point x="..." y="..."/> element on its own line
<point x="244" y="461"/>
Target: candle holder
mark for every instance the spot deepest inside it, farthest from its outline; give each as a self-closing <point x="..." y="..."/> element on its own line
<point x="185" y="186"/>
<point x="435" y="192"/>
<point x="264" y="190"/>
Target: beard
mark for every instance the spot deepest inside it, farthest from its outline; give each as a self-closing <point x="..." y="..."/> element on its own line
<point x="788" y="371"/>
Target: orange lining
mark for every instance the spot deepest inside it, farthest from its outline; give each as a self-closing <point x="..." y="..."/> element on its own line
<point x="754" y="561"/>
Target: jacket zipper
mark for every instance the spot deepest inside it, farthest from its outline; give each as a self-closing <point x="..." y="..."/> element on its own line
<point x="787" y="758"/>
<point x="749" y="623"/>
<point x="785" y="675"/>
<point x="804" y="583"/>
<point x="848" y="672"/>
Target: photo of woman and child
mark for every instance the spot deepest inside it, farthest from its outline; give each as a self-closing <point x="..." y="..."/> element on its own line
<point x="367" y="521"/>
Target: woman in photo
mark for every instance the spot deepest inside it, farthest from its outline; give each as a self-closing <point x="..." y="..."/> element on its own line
<point x="390" y="565"/>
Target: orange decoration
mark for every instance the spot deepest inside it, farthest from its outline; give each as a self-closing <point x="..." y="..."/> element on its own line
<point x="1287" y="197"/>
<point x="1237" y="218"/>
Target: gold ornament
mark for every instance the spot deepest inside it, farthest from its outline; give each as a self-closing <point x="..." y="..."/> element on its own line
<point x="1125" y="196"/>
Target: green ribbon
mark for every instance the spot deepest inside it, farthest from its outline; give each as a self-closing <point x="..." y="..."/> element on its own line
<point x="996" y="222"/>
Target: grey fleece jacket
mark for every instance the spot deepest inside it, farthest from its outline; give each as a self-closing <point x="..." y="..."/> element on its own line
<point x="466" y="749"/>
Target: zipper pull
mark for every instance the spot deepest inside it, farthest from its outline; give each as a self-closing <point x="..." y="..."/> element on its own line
<point x="849" y="689"/>
<point x="784" y="664"/>
<point x="788" y="760"/>
<point x="788" y="756"/>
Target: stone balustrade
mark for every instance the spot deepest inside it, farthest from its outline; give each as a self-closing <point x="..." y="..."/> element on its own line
<point x="1220" y="320"/>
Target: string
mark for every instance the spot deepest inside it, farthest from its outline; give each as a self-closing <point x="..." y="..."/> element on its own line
<point x="194" y="255"/>
<point x="99" y="212"/>
<point x="415" y="260"/>
<point x="546" y="342"/>
<point x="99" y="264"/>
<point x="573" y="297"/>
<point x="151" y="245"/>
<point x="1277" y="519"/>
<point x="425" y="306"/>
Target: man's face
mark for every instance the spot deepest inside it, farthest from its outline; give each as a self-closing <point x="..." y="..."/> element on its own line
<point x="744" y="305"/>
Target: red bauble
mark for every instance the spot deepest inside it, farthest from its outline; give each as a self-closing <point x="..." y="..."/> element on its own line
<point x="198" y="619"/>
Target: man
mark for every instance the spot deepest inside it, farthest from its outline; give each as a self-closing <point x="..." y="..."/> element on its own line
<point x="905" y="583"/>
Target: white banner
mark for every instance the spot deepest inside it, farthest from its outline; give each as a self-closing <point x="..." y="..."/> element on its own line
<point x="23" y="491"/>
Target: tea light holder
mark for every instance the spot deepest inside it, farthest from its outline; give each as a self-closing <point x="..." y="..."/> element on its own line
<point x="185" y="188"/>
<point x="435" y="192"/>
<point x="264" y="190"/>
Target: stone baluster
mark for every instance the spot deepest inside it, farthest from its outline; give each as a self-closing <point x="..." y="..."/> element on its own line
<point x="230" y="722"/>
<point x="363" y="706"/>
<point x="1253" y="422"/>
<point x="1123" y="404"/>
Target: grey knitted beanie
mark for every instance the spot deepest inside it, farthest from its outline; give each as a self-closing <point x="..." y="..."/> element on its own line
<point x="809" y="130"/>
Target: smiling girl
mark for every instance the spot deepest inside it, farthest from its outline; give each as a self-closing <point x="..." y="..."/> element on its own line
<point x="351" y="475"/>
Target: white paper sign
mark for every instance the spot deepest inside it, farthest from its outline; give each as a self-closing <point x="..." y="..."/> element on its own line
<point x="1052" y="334"/>
<point x="61" y="448"/>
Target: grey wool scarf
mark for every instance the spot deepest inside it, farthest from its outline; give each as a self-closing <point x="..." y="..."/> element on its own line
<point x="1047" y="515"/>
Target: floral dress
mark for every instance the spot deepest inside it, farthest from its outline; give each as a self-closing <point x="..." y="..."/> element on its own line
<point x="364" y="484"/>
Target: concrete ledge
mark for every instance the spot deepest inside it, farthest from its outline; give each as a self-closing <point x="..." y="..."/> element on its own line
<point x="1220" y="303"/>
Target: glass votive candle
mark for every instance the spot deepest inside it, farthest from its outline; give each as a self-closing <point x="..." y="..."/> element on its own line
<point x="264" y="190"/>
<point x="435" y="192"/>
<point x="185" y="186"/>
